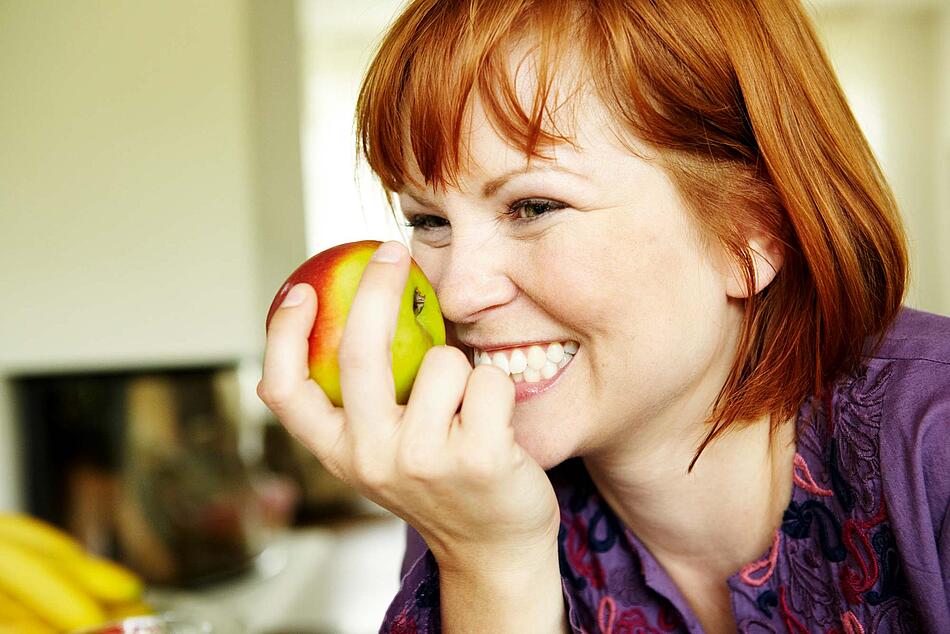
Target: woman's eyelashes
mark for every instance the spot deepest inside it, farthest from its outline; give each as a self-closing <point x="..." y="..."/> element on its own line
<point x="422" y="222"/>
<point x="535" y="207"/>
<point x="523" y="211"/>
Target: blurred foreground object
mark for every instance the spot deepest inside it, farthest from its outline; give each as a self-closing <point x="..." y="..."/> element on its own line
<point x="49" y="583"/>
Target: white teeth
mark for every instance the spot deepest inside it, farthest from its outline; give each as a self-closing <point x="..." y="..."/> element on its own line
<point x="536" y="357"/>
<point x="518" y="362"/>
<point x="530" y="364"/>
<point x="499" y="360"/>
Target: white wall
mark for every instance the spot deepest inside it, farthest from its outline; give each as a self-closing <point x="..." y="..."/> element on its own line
<point x="888" y="58"/>
<point x="337" y="42"/>
<point x="942" y="159"/>
<point x="126" y="197"/>
<point x="150" y="194"/>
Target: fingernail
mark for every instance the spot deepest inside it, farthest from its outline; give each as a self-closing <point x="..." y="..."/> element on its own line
<point x="295" y="297"/>
<point x="389" y="252"/>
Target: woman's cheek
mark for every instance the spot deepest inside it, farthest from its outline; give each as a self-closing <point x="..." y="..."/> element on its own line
<point x="429" y="261"/>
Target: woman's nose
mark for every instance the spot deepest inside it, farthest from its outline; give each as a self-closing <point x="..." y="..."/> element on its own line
<point x="473" y="279"/>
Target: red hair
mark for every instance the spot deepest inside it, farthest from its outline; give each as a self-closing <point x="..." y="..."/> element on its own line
<point x="742" y="105"/>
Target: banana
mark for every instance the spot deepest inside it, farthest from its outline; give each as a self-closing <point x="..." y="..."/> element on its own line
<point x="105" y="580"/>
<point x="13" y="610"/>
<point x="37" y="535"/>
<point x="16" y="619"/>
<point x="33" y="581"/>
<point x="29" y="626"/>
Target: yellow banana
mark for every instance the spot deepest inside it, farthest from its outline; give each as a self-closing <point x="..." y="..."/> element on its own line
<point x="12" y="610"/>
<point x="37" y="535"/>
<point x="35" y="583"/>
<point x="105" y="580"/>
<point x="27" y="626"/>
<point x="16" y="619"/>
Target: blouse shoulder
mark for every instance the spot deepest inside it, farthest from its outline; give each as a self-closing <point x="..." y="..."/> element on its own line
<point x="915" y="335"/>
<point x="912" y="365"/>
<point x="905" y="382"/>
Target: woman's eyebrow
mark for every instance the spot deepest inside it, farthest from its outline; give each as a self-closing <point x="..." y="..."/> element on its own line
<point x="493" y="185"/>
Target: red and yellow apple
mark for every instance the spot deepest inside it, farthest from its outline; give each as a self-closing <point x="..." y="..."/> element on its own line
<point x="335" y="274"/>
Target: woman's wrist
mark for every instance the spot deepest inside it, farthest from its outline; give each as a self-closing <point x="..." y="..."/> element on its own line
<point x="507" y="594"/>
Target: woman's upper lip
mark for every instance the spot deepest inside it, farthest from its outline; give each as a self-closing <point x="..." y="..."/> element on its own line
<point x="489" y="346"/>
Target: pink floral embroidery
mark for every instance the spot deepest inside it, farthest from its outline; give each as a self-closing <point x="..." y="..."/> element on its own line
<point x="631" y="621"/>
<point x="769" y="562"/>
<point x="608" y="609"/>
<point x="805" y="481"/>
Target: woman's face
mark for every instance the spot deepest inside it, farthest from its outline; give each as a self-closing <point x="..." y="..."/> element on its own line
<point x="598" y="250"/>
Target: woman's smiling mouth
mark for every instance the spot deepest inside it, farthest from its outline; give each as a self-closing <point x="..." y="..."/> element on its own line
<point x="534" y="368"/>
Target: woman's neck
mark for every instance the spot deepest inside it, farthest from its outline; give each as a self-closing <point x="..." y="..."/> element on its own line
<point x="707" y="524"/>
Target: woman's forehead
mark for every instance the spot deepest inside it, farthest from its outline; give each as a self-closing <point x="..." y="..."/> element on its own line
<point x="591" y="135"/>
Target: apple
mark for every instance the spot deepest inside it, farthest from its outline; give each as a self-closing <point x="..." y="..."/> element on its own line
<point x="334" y="274"/>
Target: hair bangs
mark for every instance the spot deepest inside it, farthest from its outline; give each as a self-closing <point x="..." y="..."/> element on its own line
<point x="413" y="117"/>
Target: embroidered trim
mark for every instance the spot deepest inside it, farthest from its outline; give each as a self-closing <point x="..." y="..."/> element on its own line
<point x="607" y="602"/>
<point x="746" y="573"/>
<point x="855" y="583"/>
<point x="850" y="623"/>
<point x="805" y="481"/>
<point x="791" y="621"/>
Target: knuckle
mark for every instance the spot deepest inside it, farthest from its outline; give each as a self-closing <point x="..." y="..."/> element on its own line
<point x="274" y="396"/>
<point x="416" y="463"/>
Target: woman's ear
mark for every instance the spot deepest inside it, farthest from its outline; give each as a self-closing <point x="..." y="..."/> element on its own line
<point x="767" y="257"/>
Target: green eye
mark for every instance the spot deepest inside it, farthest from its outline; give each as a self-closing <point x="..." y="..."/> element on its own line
<point x="424" y="222"/>
<point x="533" y="208"/>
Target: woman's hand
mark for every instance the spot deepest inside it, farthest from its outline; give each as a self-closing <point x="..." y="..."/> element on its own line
<point x="446" y="462"/>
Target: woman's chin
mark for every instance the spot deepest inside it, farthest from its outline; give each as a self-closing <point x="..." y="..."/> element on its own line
<point x="546" y="449"/>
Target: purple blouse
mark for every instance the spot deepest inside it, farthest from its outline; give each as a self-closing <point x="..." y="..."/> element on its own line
<point x="864" y="544"/>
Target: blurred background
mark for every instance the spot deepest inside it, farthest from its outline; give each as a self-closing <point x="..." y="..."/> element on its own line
<point x="164" y="165"/>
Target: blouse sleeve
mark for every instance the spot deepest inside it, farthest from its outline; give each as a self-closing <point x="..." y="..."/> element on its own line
<point x="415" y="609"/>
<point x="915" y="464"/>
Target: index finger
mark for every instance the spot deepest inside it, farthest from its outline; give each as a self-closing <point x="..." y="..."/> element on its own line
<point x="285" y="387"/>
<point x="366" y="375"/>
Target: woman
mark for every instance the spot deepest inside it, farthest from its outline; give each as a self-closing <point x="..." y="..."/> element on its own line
<point x="682" y="393"/>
